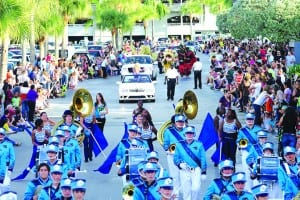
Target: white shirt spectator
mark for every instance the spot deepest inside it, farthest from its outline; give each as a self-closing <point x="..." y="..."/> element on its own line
<point x="290" y="59"/>
<point x="197" y="66"/>
<point x="172" y="73"/>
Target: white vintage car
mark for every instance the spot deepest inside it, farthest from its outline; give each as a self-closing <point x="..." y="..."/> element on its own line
<point x="136" y="87"/>
<point x="141" y="64"/>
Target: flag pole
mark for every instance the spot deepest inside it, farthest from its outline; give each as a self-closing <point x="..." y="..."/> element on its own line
<point x="104" y="155"/>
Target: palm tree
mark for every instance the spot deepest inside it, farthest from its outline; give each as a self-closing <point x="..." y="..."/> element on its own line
<point x="116" y="15"/>
<point x="11" y="15"/>
<point x="71" y="10"/>
<point x="153" y="9"/>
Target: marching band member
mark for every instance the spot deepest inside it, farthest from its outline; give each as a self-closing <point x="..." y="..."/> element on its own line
<point x="35" y="186"/>
<point x="52" y="191"/>
<point x="166" y="189"/>
<point x="239" y="182"/>
<point x="190" y="158"/>
<point x="53" y="159"/>
<point x="68" y="121"/>
<point x="127" y="143"/>
<point x="11" y="195"/>
<point x="72" y="154"/>
<point x="7" y="156"/>
<point x="146" y="130"/>
<point x="171" y="136"/>
<point x="152" y="157"/>
<point x="260" y="192"/>
<point x="268" y="150"/>
<point x="249" y="134"/>
<point x="87" y="123"/>
<point x="288" y="174"/>
<point x="79" y="189"/>
<point x="257" y="150"/>
<point x="39" y="135"/>
<point x="47" y="123"/>
<point x="149" y="188"/>
<point x="122" y="157"/>
<point x="220" y="186"/>
<point x="66" y="192"/>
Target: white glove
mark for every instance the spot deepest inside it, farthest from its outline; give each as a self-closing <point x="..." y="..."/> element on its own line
<point x="183" y="166"/>
<point x="203" y="177"/>
<point x="8" y="173"/>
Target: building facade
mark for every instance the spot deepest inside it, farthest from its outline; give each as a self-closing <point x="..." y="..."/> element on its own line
<point x="174" y="25"/>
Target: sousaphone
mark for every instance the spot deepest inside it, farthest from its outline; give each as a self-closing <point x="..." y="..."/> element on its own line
<point x="82" y="106"/>
<point x="188" y="106"/>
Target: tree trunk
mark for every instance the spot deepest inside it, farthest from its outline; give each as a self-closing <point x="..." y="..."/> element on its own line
<point x="4" y="58"/>
<point x="113" y="37"/>
<point x="65" y="37"/>
<point x="56" y="47"/>
<point x="45" y="46"/>
<point x="191" y="27"/>
<point x="42" y="49"/>
<point x="24" y="52"/>
<point x="32" y="40"/>
<point x="203" y="16"/>
<point x="146" y="28"/>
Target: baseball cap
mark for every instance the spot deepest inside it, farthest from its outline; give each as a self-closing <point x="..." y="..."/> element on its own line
<point x="52" y="148"/>
<point x="260" y="189"/>
<point x="238" y="177"/>
<point x="152" y="154"/>
<point x="56" y="169"/>
<point x="226" y="163"/>
<point x="53" y="140"/>
<point x="268" y="145"/>
<point x="79" y="184"/>
<point x="132" y="127"/>
<point x="289" y="149"/>
<point x="148" y="167"/>
<point x="189" y="129"/>
<point x="250" y="116"/>
<point x="179" y="118"/>
<point x="166" y="183"/>
<point x="262" y="134"/>
<point x="59" y="133"/>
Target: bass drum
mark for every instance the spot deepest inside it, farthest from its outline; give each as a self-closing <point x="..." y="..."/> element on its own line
<point x="79" y="135"/>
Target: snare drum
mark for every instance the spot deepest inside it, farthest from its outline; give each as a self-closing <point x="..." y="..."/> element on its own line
<point x="268" y="168"/>
<point x="133" y="157"/>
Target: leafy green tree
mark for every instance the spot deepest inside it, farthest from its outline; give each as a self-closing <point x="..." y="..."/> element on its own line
<point x="116" y="16"/>
<point x="152" y="9"/>
<point x="11" y="18"/>
<point x="71" y="10"/>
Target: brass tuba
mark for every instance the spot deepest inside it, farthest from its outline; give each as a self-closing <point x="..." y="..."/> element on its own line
<point x="188" y="106"/>
<point x="243" y="143"/>
<point x="82" y="105"/>
<point x="127" y="193"/>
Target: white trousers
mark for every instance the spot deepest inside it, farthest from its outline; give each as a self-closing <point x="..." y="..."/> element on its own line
<point x="191" y="183"/>
<point x="250" y="183"/>
<point x="174" y="173"/>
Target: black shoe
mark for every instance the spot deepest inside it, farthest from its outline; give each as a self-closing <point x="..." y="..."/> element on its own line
<point x="86" y="161"/>
<point x="168" y="99"/>
<point x="195" y="88"/>
<point x="215" y="165"/>
<point x="91" y="159"/>
<point x="172" y="99"/>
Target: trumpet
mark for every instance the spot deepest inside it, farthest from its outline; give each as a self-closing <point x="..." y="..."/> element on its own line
<point x="243" y="143"/>
<point x="127" y="193"/>
<point x="172" y="148"/>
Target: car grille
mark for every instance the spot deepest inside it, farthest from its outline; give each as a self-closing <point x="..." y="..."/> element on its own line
<point x="136" y="90"/>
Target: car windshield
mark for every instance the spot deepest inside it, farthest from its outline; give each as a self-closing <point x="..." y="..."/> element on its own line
<point x="136" y="79"/>
<point x="138" y="59"/>
<point x="94" y="48"/>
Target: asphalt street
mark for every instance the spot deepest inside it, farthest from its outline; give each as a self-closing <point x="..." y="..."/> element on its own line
<point x="109" y="187"/>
